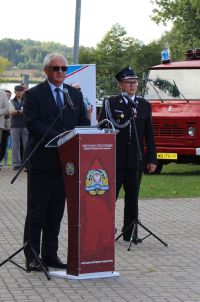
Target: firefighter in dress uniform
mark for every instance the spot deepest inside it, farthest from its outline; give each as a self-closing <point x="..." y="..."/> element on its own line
<point x="132" y="116"/>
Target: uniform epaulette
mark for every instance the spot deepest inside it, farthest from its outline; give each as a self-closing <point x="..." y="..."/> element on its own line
<point x="140" y="98"/>
<point x="110" y="97"/>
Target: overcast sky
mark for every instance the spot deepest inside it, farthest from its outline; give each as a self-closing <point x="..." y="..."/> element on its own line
<point x="48" y="20"/>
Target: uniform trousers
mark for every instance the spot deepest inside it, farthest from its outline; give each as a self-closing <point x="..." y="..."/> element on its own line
<point x="45" y="208"/>
<point x="130" y="180"/>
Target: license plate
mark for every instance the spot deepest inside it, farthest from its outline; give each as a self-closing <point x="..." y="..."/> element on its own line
<point x="167" y="156"/>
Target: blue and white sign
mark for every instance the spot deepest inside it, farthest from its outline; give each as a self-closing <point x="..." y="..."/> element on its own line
<point x="85" y="75"/>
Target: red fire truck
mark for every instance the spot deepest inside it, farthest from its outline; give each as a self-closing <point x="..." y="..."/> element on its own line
<point x="173" y="89"/>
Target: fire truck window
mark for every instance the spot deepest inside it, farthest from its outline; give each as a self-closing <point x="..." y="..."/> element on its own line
<point x="172" y="84"/>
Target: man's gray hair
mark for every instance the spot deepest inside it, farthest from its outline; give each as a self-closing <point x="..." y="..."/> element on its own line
<point x="52" y="56"/>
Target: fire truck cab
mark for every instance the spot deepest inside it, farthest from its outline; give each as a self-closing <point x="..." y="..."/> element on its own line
<point x="173" y="89"/>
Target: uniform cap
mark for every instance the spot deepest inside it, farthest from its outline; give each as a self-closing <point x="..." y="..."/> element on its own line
<point x="126" y="73"/>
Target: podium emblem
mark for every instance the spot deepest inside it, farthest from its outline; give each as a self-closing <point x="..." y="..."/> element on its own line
<point x="69" y="170"/>
<point x="97" y="182"/>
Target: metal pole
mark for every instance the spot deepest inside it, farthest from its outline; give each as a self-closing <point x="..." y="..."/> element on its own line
<point x="25" y="79"/>
<point x="77" y="30"/>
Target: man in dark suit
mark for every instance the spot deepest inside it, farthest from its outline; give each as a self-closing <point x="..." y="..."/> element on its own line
<point x="131" y="115"/>
<point x="44" y="104"/>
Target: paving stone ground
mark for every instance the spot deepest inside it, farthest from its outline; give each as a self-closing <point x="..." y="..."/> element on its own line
<point x="148" y="272"/>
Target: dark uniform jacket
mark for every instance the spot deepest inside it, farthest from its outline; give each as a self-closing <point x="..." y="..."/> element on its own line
<point x="40" y="110"/>
<point x="126" y="145"/>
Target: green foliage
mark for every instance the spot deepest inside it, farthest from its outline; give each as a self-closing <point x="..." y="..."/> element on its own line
<point x="4" y="63"/>
<point x="29" y="54"/>
<point x="87" y="55"/>
<point x="116" y="51"/>
<point x="146" y="56"/>
<point x="11" y="50"/>
<point x="185" y="15"/>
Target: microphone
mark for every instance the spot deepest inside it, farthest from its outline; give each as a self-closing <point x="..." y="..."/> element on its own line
<point x="68" y="99"/>
<point x="126" y="96"/>
<point x="134" y="105"/>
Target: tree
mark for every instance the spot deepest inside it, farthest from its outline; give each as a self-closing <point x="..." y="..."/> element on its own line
<point x="115" y="51"/>
<point x="185" y="15"/>
<point x="26" y="54"/>
<point x="112" y="48"/>
<point x="112" y="54"/>
<point x="87" y="55"/>
<point x="11" y="49"/>
<point x="4" y="63"/>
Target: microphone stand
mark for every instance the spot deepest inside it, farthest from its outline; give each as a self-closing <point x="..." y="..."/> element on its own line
<point x="27" y="247"/>
<point x="134" y="225"/>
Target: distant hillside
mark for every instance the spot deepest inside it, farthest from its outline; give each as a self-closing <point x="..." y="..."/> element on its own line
<point x="29" y="54"/>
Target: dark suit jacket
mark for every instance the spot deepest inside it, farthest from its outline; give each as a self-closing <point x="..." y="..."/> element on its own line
<point x="40" y="110"/>
<point x="126" y="149"/>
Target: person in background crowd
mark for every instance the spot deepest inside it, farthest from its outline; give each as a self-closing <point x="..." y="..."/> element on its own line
<point x="4" y="112"/>
<point x="5" y="135"/>
<point x="19" y="131"/>
<point x="25" y="86"/>
<point x="122" y="111"/>
<point x="9" y="94"/>
<point x="88" y="106"/>
<point x="46" y="108"/>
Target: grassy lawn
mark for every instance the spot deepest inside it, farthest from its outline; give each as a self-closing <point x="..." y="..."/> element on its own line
<point x="175" y="180"/>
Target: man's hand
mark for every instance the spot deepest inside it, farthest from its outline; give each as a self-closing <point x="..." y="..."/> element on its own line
<point x="16" y="112"/>
<point x="151" y="168"/>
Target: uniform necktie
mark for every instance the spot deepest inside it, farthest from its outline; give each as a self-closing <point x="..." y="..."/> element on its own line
<point x="58" y="99"/>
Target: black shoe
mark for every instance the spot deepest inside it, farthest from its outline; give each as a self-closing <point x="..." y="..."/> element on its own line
<point x="33" y="265"/>
<point x="134" y="239"/>
<point x="55" y="262"/>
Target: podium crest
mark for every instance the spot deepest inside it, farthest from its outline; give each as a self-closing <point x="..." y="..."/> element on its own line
<point x="97" y="179"/>
<point x="69" y="170"/>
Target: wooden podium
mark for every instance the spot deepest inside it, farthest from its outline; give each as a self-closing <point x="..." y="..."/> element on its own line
<point x="88" y="162"/>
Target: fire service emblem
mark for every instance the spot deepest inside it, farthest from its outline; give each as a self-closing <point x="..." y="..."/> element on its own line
<point x="69" y="170"/>
<point x="97" y="182"/>
<point x="96" y="179"/>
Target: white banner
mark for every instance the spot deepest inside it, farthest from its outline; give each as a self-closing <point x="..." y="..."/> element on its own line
<point x="85" y="75"/>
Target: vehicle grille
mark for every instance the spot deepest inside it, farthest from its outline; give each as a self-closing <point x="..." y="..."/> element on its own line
<point x="170" y="130"/>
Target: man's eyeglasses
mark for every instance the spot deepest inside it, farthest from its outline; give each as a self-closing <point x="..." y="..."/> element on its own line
<point x="58" y="68"/>
<point x="130" y="82"/>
